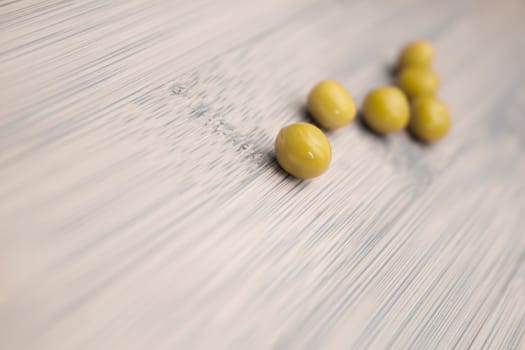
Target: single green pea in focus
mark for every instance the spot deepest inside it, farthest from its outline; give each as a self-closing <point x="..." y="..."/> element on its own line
<point x="386" y="109"/>
<point x="418" y="81"/>
<point x="430" y="119"/>
<point x="331" y="105"/>
<point x="417" y="53"/>
<point x="303" y="150"/>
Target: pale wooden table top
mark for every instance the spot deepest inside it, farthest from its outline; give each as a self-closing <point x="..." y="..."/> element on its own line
<point x="141" y="208"/>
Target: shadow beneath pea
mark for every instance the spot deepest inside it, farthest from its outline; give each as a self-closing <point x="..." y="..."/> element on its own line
<point x="308" y="118"/>
<point x="417" y="140"/>
<point x="274" y="165"/>
<point x="361" y="123"/>
<point x="392" y="70"/>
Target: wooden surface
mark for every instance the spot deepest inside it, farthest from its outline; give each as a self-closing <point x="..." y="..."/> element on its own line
<point x="140" y="206"/>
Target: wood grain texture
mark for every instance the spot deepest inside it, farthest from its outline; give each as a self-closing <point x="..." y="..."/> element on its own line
<point x="141" y="208"/>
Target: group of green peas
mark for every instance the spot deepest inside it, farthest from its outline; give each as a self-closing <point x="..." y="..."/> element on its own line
<point x="303" y="150"/>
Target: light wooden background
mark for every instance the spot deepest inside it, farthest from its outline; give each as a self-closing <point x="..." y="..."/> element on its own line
<point x="140" y="206"/>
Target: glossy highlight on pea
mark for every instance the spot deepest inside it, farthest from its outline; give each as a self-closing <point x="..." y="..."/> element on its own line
<point x="303" y="150"/>
<point x="331" y="105"/>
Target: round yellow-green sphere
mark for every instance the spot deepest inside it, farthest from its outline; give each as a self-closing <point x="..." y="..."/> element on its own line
<point x="331" y="105"/>
<point x="418" y="81"/>
<point x="430" y="119"/>
<point x="386" y="109"/>
<point x="417" y="53"/>
<point x="303" y="150"/>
